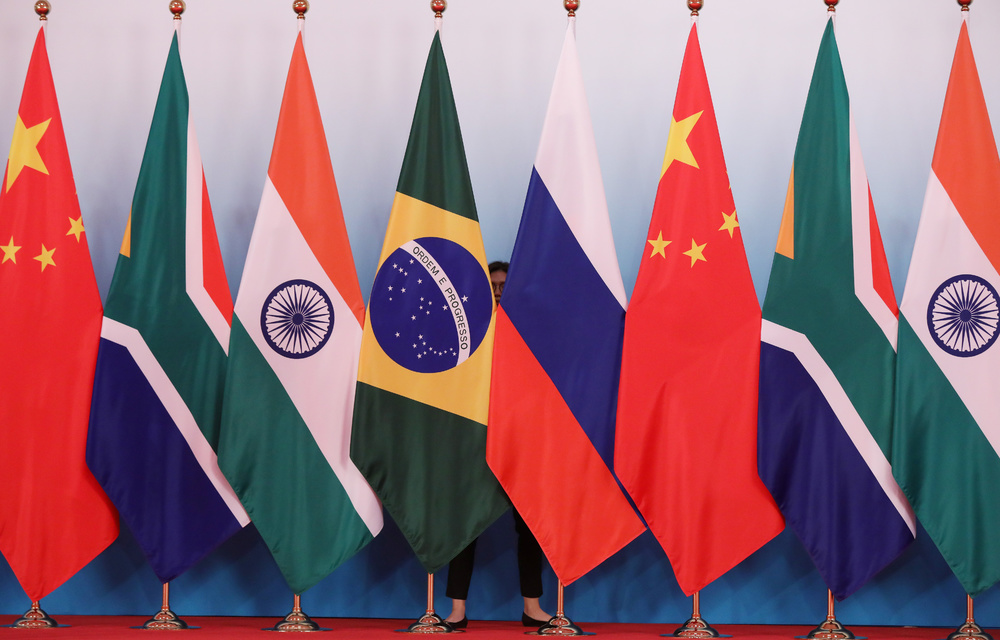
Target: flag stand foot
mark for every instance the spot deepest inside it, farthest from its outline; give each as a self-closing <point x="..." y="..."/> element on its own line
<point x="970" y="630"/>
<point x="297" y="620"/>
<point x="695" y="627"/>
<point x="430" y="622"/>
<point x="559" y="624"/>
<point x="831" y="629"/>
<point x="35" y="618"/>
<point x="165" y="619"/>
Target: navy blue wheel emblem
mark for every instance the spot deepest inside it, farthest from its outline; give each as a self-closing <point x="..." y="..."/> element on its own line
<point x="963" y="315"/>
<point x="297" y="318"/>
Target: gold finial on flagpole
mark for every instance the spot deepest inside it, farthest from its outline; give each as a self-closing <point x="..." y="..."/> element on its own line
<point x="438" y="7"/>
<point x="965" y="4"/>
<point x="695" y="6"/>
<point x="42" y="8"/>
<point x="177" y="8"/>
<point x="571" y="7"/>
<point x="831" y="5"/>
<point x="300" y="7"/>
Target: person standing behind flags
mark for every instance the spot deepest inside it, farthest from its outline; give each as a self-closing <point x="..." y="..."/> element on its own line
<point x="529" y="553"/>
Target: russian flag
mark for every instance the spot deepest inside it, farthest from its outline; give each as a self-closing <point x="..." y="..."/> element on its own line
<point x="558" y="348"/>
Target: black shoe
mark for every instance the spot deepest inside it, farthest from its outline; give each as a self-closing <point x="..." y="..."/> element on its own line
<point x="461" y="624"/>
<point x="528" y="621"/>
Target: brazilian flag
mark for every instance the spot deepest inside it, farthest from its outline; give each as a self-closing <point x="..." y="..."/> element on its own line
<point x="419" y="432"/>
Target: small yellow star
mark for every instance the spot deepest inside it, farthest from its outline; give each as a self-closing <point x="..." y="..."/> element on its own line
<point x="696" y="252"/>
<point x="45" y="257"/>
<point x="729" y="222"/>
<point x="75" y="227"/>
<point x="10" y="251"/>
<point x="658" y="245"/>
<point x="24" y="150"/>
<point x="677" y="146"/>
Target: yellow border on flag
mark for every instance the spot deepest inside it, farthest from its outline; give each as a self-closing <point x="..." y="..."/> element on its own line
<point x="465" y="389"/>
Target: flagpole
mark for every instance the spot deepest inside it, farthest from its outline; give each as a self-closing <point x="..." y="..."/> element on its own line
<point x="296" y="620"/>
<point x="695" y="627"/>
<point x="970" y="630"/>
<point x="831" y="629"/>
<point x="559" y="624"/>
<point x="430" y="622"/>
<point x="35" y="618"/>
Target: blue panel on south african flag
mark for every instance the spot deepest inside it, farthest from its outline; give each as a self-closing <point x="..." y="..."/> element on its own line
<point x="865" y="532"/>
<point x="181" y="518"/>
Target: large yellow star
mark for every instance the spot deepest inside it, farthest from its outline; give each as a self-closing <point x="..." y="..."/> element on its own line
<point x="10" y="251"/>
<point x="76" y="227"/>
<point x="729" y="222"/>
<point x="45" y="257"/>
<point x="658" y="245"/>
<point x="696" y="252"/>
<point x="677" y="145"/>
<point x="24" y="150"/>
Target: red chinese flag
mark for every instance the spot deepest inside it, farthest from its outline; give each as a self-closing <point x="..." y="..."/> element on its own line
<point x="686" y="441"/>
<point x="54" y="517"/>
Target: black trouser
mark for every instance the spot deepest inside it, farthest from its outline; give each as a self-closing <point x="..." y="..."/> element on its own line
<point x="529" y="565"/>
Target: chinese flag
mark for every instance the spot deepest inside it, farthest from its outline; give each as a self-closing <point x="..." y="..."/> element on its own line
<point x="54" y="517"/>
<point x="686" y="441"/>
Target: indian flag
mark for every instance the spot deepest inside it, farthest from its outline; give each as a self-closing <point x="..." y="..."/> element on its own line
<point x="293" y="358"/>
<point x="946" y="435"/>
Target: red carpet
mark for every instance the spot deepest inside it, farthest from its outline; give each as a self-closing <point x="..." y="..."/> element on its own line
<point x="222" y="628"/>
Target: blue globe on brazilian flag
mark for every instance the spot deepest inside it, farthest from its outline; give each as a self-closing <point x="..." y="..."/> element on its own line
<point x="430" y="305"/>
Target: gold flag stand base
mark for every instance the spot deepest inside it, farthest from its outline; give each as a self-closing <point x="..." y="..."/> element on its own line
<point x="695" y="627"/>
<point x="430" y="622"/>
<point x="297" y="620"/>
<point x="970" y="630"/>
<point x="831" y="629"/>
<point x="35" y="618"/>
<point x="165" y="619"/>
<point x="559" y="624"/>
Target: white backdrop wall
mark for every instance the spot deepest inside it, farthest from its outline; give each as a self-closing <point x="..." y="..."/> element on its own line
<point x="367" y="58"/>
